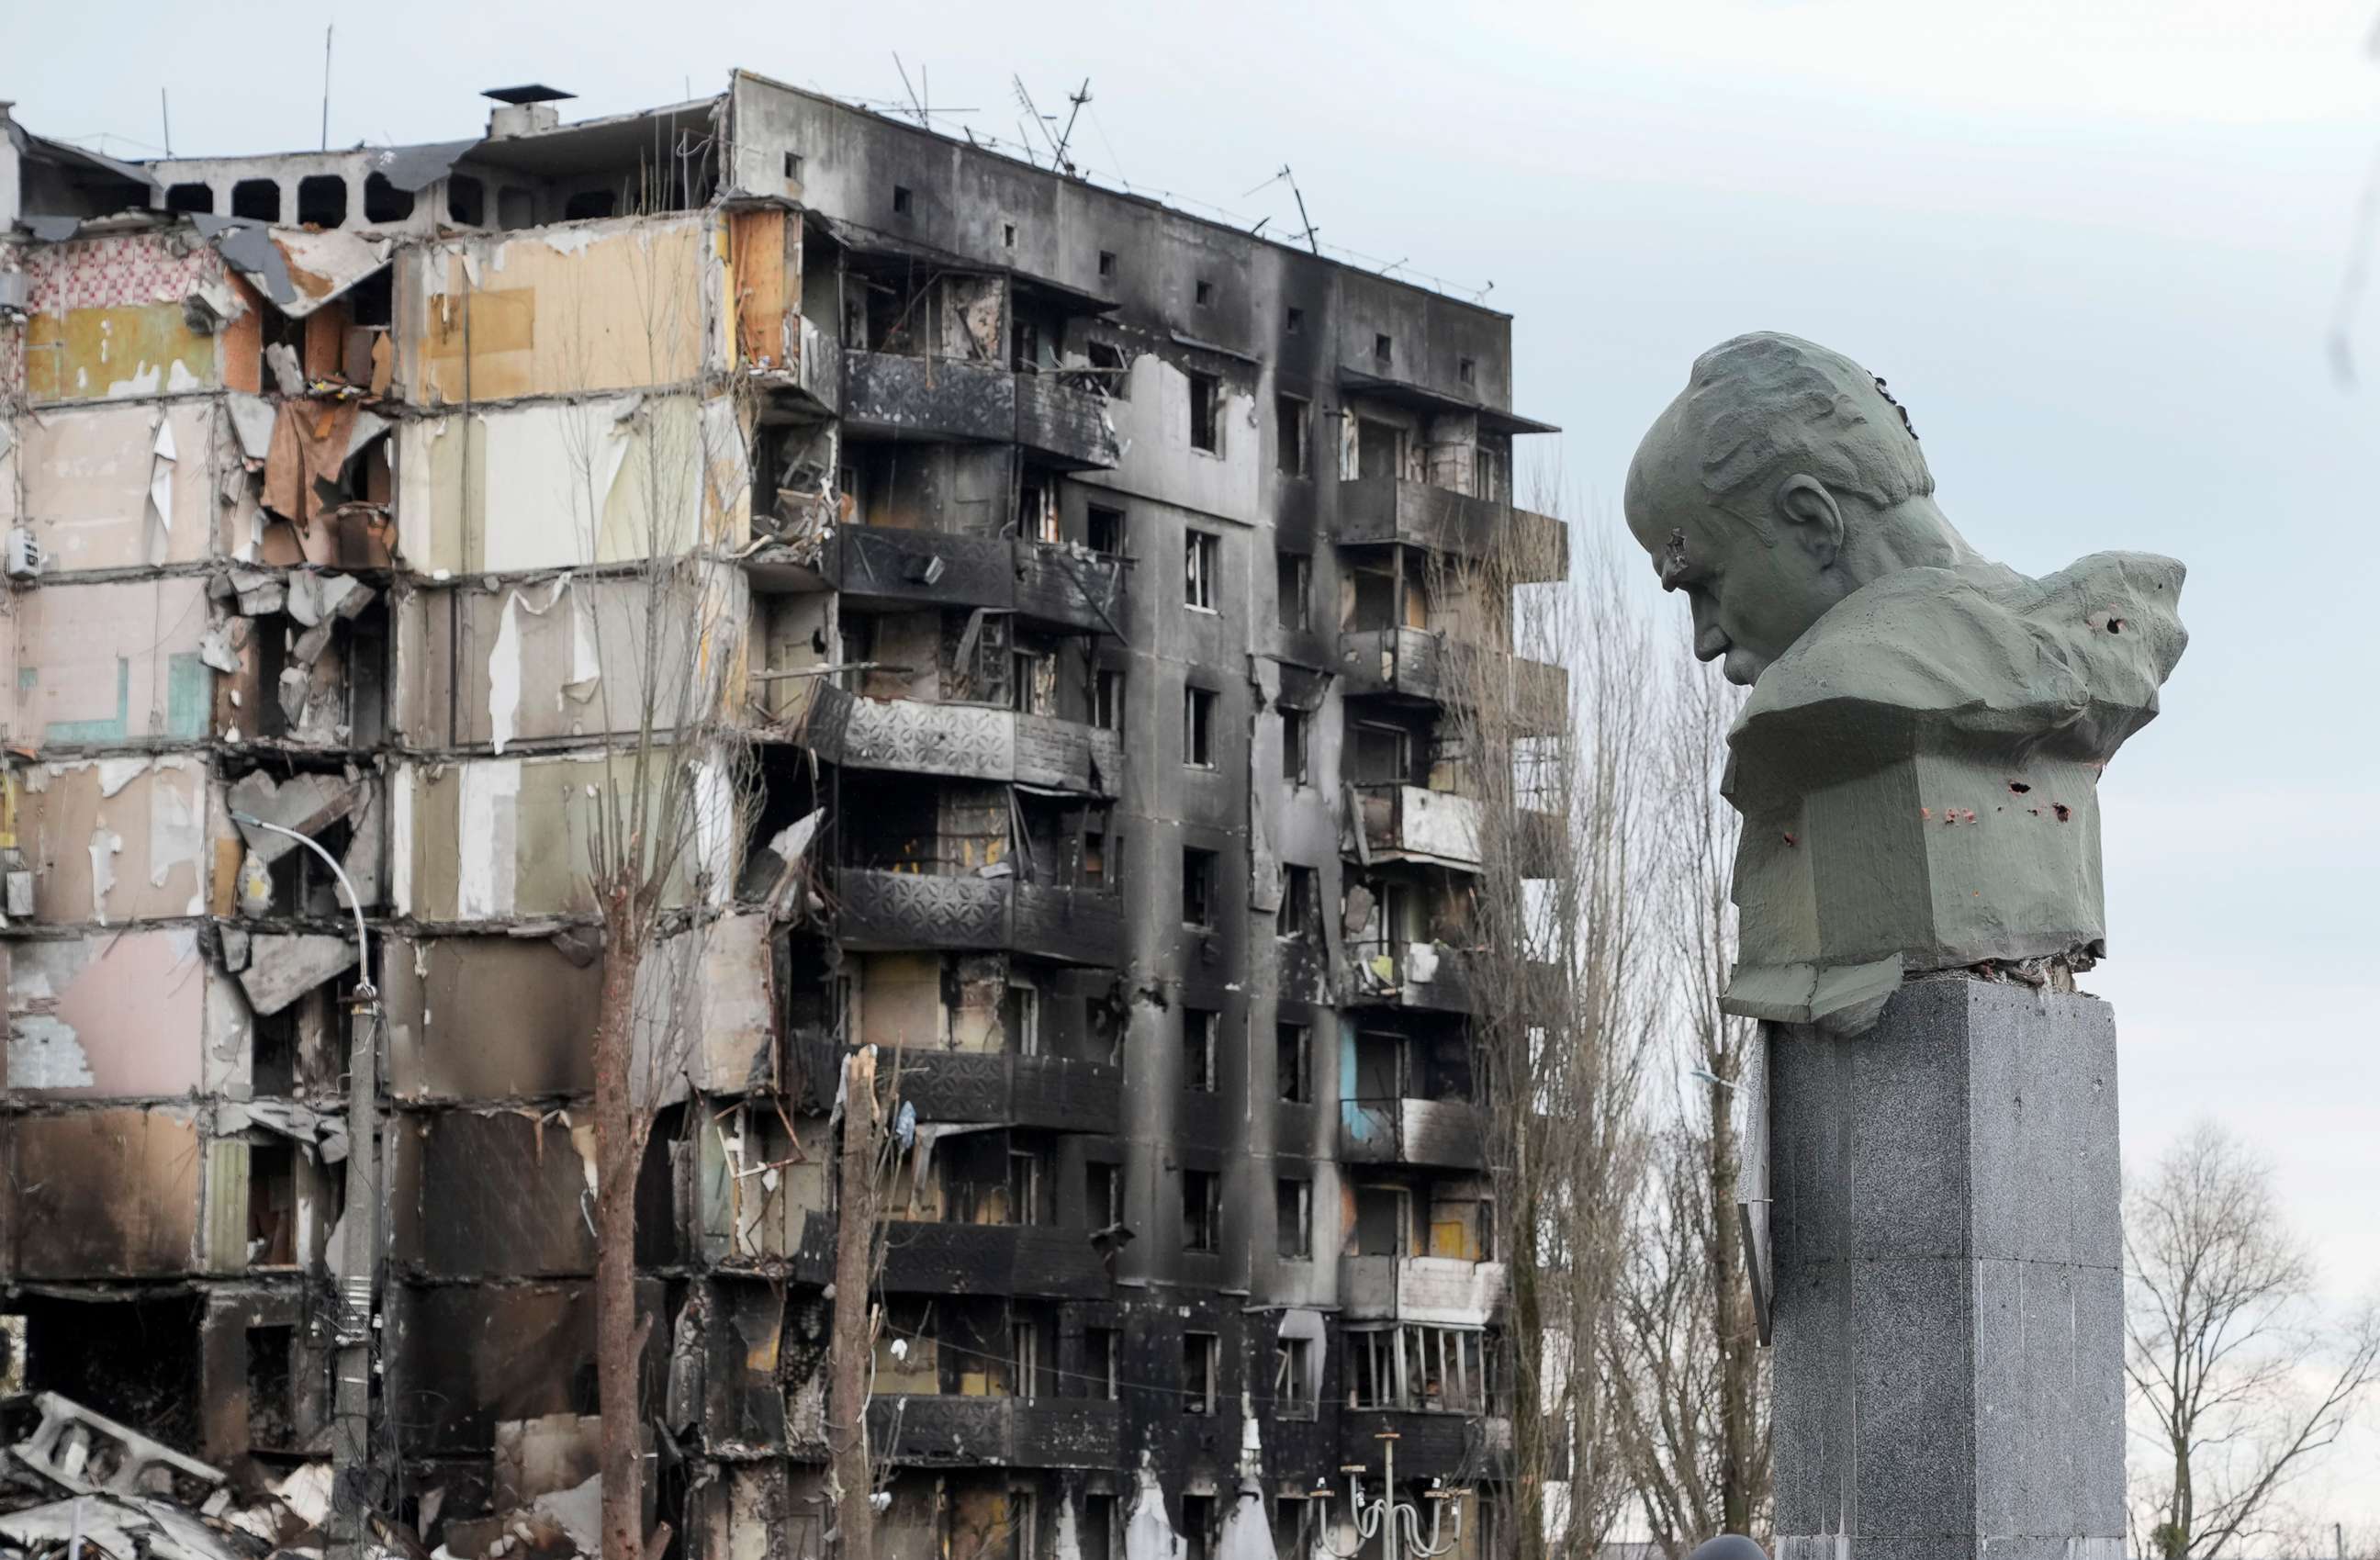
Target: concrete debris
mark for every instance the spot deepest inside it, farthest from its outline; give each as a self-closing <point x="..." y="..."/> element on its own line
<point x="88" y="1452"/>
<point x="282" y="967"/>
<point x="306" y="803"/>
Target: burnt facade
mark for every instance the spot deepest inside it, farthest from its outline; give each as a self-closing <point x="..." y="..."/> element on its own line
<point x="1093" y="656"/>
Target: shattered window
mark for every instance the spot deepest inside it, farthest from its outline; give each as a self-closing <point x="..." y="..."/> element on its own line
<point x="1293" y="745"/>
<point x="1201" y="553"/>
<point x="1301" y="902"/>
<point x="1293" y="584"/>
<point x="1197" y="887"/>
<point x="1290" y="422"/>
<point x="1202" y="1216"/>
<point x="1111" y="368"/>
<point x="1291" y="1065"/>
<point x="1198" y="728"/>
<point x="1200" y="1026"/>
<point x="1292" y="1380"/>
<point x="1293" y="1217"/>
<point x="1206" y="413"/>
<point x="1107" y="701"/>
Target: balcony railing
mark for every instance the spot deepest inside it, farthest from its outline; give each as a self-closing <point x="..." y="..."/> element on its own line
<point x="949" y="1431"/>
<point x="1047" y="1261"/>
<point x="1418" y="663"/>
<point x="1057" y="1094"/>
<point x="1429" y="976"/>
<point x="889" y="911"/>
<point x="1411" y="1131"/>
<point x="891" y="393"/>
<point x="1069" y="588"/>
<point x="1390" y="509"/>
<point x="1440" y="1291"/>
<point x="966" y="741"/>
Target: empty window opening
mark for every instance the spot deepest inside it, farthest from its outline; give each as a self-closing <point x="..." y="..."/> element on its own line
<point x="516" y="209"/>
<point x="1098" y="1540"/>
<point x="1292" y="1204"/>
<point x="1101" y="1353"/>
<point x="1466" y="369"/>
<point x="1107" y="262"/>
<point x="1292" y="1063"/>
<point x="1198" y="1518"/>
<point x="1102" y="1193"/>
<point x="1205" y="293"/>
<point x="1107" y="701"/>
<point x="1206" y="413"/>
<point x="1294" y="323"/>
<point x="1491" y="473"/>
<point x="588" y="205"/>
<point x="1199" y="1027"/>
<point x="322" y="201"/>
<point x="1380" y="755"/>
<point x="1110" y="365"/>
<point x="1292" y="1379"/>
<point x="1293" y="582"/>
<point x="1008" y="234"/>
<point x="271" y="1426"/>
<point x="1020" y="1016"/>
<point x="272" y="1203"/>
<point x="1202" y="1216"/>
<point x="1380" y="448"/>
<point x="1198" y="728"/>
<point x="1103" y="528"/>
<point x="384" y="202"/>
<point x="794" y="167"/>
<point x="467" y="201"/>
<point x="1201" y="553"/>
<point x="1295" y="742"/>
<point x="1384" y="349"/>
<point x="1290" y="421"/>
<point x="190" y="197"/>
<point x="1197" y="887"/>
<point x="1301" y="902"/>
<point x="1381" y="1222"/>
<point x="901" y="200"/>
<point x="257" y="200"/>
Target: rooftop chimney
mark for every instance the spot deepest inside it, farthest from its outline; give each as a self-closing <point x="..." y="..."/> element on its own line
<point x="524" y="111"/>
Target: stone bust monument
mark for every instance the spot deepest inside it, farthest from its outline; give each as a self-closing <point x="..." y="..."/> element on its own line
<point x="1917" y="765"/>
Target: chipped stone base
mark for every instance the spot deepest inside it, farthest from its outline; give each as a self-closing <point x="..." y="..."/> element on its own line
<point x="1949" y="1287"/>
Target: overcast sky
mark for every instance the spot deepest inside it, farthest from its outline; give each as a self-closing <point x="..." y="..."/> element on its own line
<point x="2096" y="249"/>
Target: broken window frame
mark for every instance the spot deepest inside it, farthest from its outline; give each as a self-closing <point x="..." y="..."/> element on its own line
<point x="1199" y="888"/>
<point x="1202" y="1030"/>
<point x="1300" y="917"/>
<point x="1293" y="587"/>
<point x="1202" y="1371"/>
<point x="1296" y="748"/>
<point x="1294" y="1197"/>
<point x="1103" y="529"/>
<point x="1199" y="707"/>
<point x="1206" y="410"/>
<point x="1292" y="1380"/>
<point x="1296" y="1042"/>
<point x="1103" y="1354"/>
<point x="1202" y="555"/>
<point x="1292" y="424"/>
<point x="1107" y="698"/>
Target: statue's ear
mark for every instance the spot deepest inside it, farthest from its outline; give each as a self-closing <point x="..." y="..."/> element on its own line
<point x="1811" y="518"/>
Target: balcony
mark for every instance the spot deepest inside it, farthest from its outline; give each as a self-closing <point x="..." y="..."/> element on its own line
<point x="953" y="1431"/>
<point x="1379" y="510"/>
<point x="1416" y="663"/>
<point x="1408" y="823"/>
<point x="1064" y="587"/>
<point x="1430" y="976"/>
<point x="1430" y="1444"/>
<point x="892" y="912"/>
<point x="964" y="741"/>
<point x="1030" y="1260"/>
<point x="1409" y="1131"/>
<point x="891" y="395"/>
<point x="1057" y="1093"/>
<point x="1440" y="1291"/>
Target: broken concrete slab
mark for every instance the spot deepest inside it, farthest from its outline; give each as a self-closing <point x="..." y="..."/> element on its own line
<point x="307" y="803"/>
<point x="284" y="967"/>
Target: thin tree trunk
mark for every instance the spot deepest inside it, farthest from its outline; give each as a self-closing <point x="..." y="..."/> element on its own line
<point x="850" y="1347"/>
<point x="618" y="1337"/>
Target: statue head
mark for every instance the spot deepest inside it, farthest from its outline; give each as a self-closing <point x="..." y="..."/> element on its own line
<point x="1782" y="480"/>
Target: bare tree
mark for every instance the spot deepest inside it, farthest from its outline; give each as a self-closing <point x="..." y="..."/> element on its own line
<point x="1558" y="775"/>
<point x="2239" y="1379"/>
<point x="653" y="479"/>
<point x="1692" y="1378"/>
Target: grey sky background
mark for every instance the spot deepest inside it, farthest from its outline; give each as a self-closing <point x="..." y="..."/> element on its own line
<point x="2095" y="249"/>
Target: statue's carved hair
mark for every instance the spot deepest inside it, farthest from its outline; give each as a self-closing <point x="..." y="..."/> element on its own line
<point x="1764" y="406"/>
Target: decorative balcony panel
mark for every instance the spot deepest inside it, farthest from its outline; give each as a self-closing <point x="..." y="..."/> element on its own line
<point x="1052" y="583"/>
<point x="1057" y="1093"/>
<point x="1030" y="1260"/>
<point x="897" y="911"/>
<point x="1415" y="663"/>
<point x="1427" y="976"/>
<point x="1438" y="1291"/>
<point x="890" y="393"/>
<point x="1377" y="510"/>
<point x="1406" y="1131"/>
<point x="953" y="1432"/>
<point x="1454" y="1447"/>
<point x="966" y="741"/>
<point x="1063" y="422"/>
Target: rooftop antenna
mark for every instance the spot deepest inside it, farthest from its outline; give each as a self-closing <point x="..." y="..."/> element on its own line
<point x="326" y="87"/>
<point x="1067" y="136"/>
<point x="916" y="105"/>
<point x="1041" y="120"/>
<point x="1310" y="229"/>
<point x="165" y="114"/>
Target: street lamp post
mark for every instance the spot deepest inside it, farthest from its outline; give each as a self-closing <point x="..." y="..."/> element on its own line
<point x="1386" y="1514"/>
<point x="359" y="1251"/>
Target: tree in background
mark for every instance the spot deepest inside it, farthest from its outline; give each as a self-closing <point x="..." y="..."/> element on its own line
<point x="2240" y="1379"/>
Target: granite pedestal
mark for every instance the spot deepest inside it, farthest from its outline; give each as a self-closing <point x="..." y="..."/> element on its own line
<point x="1949" y="1270"/>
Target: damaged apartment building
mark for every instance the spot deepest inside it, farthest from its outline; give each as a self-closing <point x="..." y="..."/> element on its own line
<point x="1078" y="568"/>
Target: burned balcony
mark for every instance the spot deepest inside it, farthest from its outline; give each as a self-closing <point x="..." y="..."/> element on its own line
<point x="1456" y="1446"/>
<point x="1059" y="1093"/>
<point x="1435" y="1388"/>
<point x="961" y="1432"/>
<point x="1029" y="1260"/>
<point x="1063" y="587"/>
<point x="1413" y="1131"/>
<point x="891" y="394"/>
<point x="887" y="911"/>
<point x="1444" y="1291"/>
<point x="966" y="741"/>
<point x="1430" y="976"/>
<point x="1420" y="665"/>
<point x="1406" y="822"/>
<point x="1376" y="511"/>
